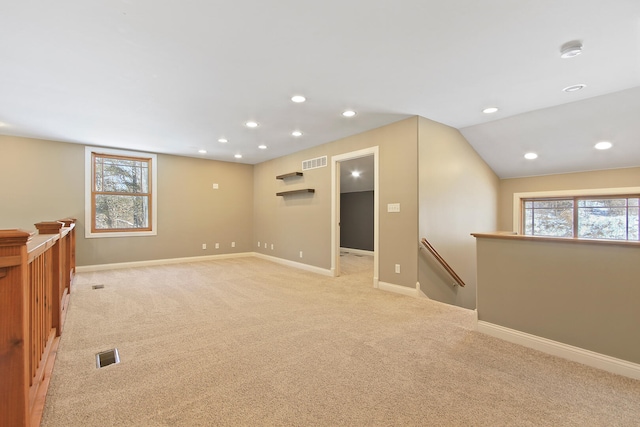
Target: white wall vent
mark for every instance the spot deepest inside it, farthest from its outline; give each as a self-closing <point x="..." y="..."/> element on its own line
<point x="318" y="162"/>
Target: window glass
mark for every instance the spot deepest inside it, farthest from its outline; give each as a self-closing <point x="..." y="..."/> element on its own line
<point x="552" y="204"/>
<point x="634" y="222"/>
<point x="549" y="218"/>
<point x="528" y="220"/>
<point x="602" y="219"/>
<point x="117" y="212"/>
<point x="612" y="218"/>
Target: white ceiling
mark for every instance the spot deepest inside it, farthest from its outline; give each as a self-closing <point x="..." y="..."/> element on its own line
<point x="174" y="77"/>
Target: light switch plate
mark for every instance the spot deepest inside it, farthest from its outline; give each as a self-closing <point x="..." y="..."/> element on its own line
<point x="393" y="207"/>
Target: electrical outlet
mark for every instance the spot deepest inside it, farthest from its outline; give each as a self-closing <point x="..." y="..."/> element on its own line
<point x="215" y="186"/>
<point x="217" y="245"/>
<point x="233" y="244"/>
<point x="258" y="244"/>
<point x="272" y="246"/>
<point x="300" y="254"/>
<point x="398" y="268"/>
<point x="204" y="246"/>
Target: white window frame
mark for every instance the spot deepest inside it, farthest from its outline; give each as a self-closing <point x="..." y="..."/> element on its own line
<point x="517" y="199"/>
<point x="88" y="182"/>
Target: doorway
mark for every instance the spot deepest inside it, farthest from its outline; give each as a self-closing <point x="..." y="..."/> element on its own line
<point x="336" y="162"/>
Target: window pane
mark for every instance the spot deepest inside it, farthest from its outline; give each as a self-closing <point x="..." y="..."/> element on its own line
<point x="528" y="222"/>
<point x="528" y="204"/>
<point x="603" y="222"/>
<point x="552" y="204"/>
<point x="553" y="222"/>
<point x="98" y="176"/>
<point x="121" y="175"/>
<point x="605" y="203"/>
<point x="634" y="202"/>
<point x="121" y="212"/>
<point x="634" y="226"/>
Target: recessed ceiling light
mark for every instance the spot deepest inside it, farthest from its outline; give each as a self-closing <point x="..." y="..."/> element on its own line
<point x="223" y="140"/>
<point x="570" y="49"/>
<point x="603" y="145"/>
<point x="298" y="98"/>
<point x="262" y="147"/>
<point x="530" y="156"/>
<point x="574" y="88"/>
<point x="349" y="113"/>
<point x="296" y="133"/>
<point x="238" y="156"/>
<point x="490" y="110"/>
<point x="202" y="151"/>
<point x="251" y="124"/>
<point x="355" y="174"/>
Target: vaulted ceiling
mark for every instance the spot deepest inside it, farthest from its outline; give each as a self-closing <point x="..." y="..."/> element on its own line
<point x="177" y="77"/>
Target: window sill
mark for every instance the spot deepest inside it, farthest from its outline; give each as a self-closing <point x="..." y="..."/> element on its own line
<point x="89" y="235"/>
<point x="511" y="236"/>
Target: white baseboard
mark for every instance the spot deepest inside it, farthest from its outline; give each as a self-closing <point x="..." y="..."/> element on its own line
<point x="390" y="287"/>
<point x="149" y="263"/>
<point x="555" y="348"/>
<point x="357" y="251"/>
<point x="294" y="264"/>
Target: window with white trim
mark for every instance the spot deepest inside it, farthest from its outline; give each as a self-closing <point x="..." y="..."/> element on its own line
<point x="120" y="193"/>
<point x="609" y="217"/>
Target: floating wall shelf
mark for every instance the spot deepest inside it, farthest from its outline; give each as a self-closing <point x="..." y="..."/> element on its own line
<point x="289" y="175"/>
<point x="304" y="190"/>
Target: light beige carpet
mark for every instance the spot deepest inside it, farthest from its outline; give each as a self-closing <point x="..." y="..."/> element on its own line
<point x="246" y="342"/>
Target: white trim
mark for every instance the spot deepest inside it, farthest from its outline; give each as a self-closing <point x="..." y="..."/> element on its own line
<point x="154" y="262"/>
<point x="88" y="171"/>
<point x="357" y="251"/>
<point x="419" y="291"/>
<point x="294" y="264"/>
<point x="335" y="251"/>
<point x="390" y="287"/>
<point x="576" y="354"/>
<point x="517" y="198"/>
<point x="167" y="261"/>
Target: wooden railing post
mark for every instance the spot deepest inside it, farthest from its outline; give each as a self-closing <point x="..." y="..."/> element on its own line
<point x="14" y="328"/>
<point x="58" y="279"/>
<point x="70" y="255"/>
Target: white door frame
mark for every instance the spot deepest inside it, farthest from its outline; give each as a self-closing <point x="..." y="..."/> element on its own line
<point x="335" y="205"/>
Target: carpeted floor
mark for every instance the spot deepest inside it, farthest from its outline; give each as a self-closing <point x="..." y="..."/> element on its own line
<point x="246" y="342"/>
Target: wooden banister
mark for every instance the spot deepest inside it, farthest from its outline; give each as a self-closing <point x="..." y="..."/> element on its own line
<point x="36" y="273"/>
<point x="442" y="262"/>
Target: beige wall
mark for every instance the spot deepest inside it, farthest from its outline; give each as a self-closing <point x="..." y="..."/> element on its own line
<point x="579" y="293"/>
<point x="570" y="181"/>
<point x="44" y="180"/>
<point x="303" y="223"/>
<point x="39" y="181"/>
<point x="458" y="196"/>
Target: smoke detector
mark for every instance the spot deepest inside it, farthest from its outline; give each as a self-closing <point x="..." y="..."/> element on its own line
<point x="570" y="49"/>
